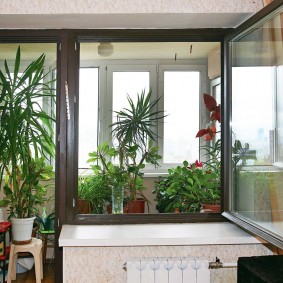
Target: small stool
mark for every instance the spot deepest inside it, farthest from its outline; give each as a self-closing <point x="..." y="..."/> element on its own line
<point x="35" y="248"/>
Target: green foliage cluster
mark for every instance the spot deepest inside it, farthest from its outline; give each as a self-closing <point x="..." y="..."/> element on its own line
<point x="121" y="165"/>
<point x="26" y="135"/>
<point x="186" y="188"/>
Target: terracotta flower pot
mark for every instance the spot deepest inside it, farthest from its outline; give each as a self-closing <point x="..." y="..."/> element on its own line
<point x="136" y="206"/>
<point x="211" y="208"/>
<point x="83" y="206"/>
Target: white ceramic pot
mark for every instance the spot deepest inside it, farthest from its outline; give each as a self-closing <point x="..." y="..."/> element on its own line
<point x="22" y="230"/>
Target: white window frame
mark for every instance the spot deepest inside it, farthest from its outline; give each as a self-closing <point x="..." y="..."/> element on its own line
<point x="202" y="69"/>
<point x="156" y="69"/>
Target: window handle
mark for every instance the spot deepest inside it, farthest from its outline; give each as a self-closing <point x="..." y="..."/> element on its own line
<point x="67" y="100"/>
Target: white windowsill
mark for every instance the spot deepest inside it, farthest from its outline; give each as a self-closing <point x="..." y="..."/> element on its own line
<point x="154" y="234"/>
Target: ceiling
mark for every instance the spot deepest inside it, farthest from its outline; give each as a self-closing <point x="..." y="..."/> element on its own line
<point x="125" y="51"/>
<point x="187" y="50"/>
<point x="114" y="20"/>
<point x="151" y="50"/>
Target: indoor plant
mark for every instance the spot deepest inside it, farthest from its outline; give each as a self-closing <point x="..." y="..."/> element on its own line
<point x="184" y="189"/>
<point x="134" y="134"/>
<point x="212" y="151"/>
<point x="94" y="193"/>
<point x="212" y="156"/>
<point x="26" y="137"/>
<point x="114" y="178"/>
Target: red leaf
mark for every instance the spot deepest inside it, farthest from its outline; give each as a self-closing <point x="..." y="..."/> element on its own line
<point x="203" y="132"/>
<point x="215" y="116"/>
<point x="209" y="102"/>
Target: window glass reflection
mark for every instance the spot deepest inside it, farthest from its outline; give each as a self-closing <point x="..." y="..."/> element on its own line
<point x="257" y="125"/>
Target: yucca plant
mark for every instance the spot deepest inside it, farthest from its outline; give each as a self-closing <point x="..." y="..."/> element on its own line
<point x="26" y="135"/>
<point x="134" y="132"/>
<point x="134" y="125"/>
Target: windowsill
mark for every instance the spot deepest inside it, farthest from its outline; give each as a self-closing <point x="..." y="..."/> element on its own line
<point x="154" y="234"/>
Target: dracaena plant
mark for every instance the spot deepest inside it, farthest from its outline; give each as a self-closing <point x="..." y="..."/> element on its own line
<point x="134" y="133"/>
<point x="26" y="134"/>
<point x="133" y="136"/>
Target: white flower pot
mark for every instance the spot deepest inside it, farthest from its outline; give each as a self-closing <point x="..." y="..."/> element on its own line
<point x="22" y="230"/>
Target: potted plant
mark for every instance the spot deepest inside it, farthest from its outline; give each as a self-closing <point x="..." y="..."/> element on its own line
<point x="183" y="190"/>
<point x="212" y="154"/>
<point x="133" y="131"/>
<point x="122" y="163"/>
<point x="94" y="192"/>
<point x="212" y="180"/>
<point x="114" y="178"/>
<point x="26" y="139"/>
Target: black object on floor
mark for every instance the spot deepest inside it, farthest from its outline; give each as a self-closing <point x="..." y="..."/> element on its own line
<point x="260" y="269"/>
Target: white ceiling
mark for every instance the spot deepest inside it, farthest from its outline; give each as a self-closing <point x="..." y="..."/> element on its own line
<point x="163" y="20"/>
<point x="108" y="21"/>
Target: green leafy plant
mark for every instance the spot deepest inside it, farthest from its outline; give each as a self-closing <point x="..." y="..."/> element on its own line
<point x="212" y="150"/>
<point x="26" y="134"/>
<point x="96" y="190"/>
<point x="31" y="190"/>
<point x="97" y="187"/>
<point x="212" y="166"/>
<point x="134" y="125"/>
<point x="134" y="133"/>
<point x="133" y="138"/>
<point x="184" y="188"/>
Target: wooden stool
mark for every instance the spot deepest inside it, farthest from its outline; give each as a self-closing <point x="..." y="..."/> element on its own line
<point x="35" y="248"/>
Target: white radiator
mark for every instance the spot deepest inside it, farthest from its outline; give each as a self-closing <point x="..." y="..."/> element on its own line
<point x="168" y="270"/>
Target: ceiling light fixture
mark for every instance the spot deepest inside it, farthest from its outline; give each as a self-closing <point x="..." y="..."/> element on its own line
<point x="105" y="49"/>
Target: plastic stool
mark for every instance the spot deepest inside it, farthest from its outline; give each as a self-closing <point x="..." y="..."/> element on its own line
<point x="35" y="248"/>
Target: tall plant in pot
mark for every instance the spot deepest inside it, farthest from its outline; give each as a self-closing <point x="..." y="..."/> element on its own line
<point x="212" y="153"/>
<point x="26" y="139"/>
<point x="133" y="132"/>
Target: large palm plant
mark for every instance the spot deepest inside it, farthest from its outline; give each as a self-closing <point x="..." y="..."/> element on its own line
<point x="26" y="134"/>
<point x="134" y="131"/>
<point x="134" y="125"/>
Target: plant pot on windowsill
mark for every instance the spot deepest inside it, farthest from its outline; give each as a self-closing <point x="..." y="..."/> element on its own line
<point x="211" y="208"/>
<point x="84" y="206"/>
<point x="136" y="206"/>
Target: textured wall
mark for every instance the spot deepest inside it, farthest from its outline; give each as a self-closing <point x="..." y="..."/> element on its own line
<point x="104" y="264"/>
<point x="73" y="14"/>
<point x="128" y="6"/>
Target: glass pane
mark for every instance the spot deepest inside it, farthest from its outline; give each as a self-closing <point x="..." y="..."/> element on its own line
<point x="88" y="114"/>
<point x="130" y="70"/>
<point x="181" y="101"/>
<point x="257" y="125"/>
<point x="128" y="83"/>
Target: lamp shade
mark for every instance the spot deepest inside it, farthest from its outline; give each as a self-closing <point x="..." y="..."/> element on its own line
<point x="105" y="49"/>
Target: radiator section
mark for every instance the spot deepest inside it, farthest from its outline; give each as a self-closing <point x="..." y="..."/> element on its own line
<point x="168" y="270"/>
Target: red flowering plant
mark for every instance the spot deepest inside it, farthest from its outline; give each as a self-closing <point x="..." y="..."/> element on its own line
<point x="185" y="188"/>
<point x="189" y="186"/>
<point x="215" y="116"/>
<point x="212" y="150"/>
